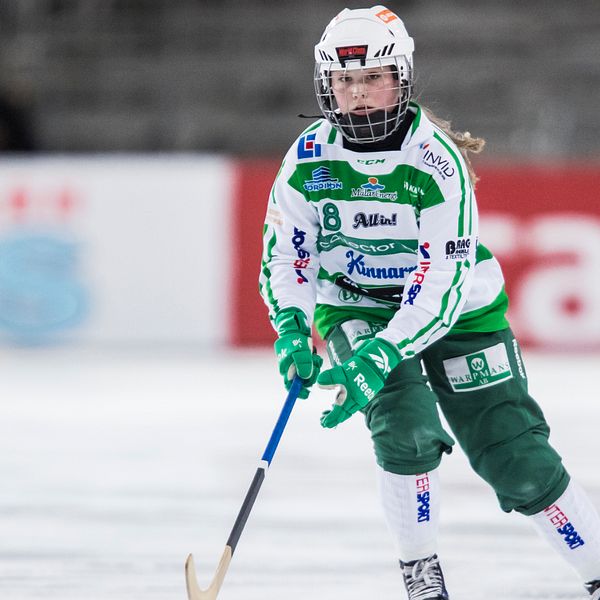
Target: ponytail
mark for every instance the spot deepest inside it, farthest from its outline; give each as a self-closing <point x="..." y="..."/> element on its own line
<point x="463" y="140"/>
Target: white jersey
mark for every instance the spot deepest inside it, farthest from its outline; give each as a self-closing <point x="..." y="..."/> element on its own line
<point x="391" y="233"/>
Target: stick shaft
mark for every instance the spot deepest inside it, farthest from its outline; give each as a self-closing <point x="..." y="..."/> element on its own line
<point x="282" y="420"/>
<point x="193" y="590"/>
<point x="267" y="457"/>
<point x="244" y="513"/>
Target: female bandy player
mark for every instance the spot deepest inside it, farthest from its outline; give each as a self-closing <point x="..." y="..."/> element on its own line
<point x="371" y="235"/>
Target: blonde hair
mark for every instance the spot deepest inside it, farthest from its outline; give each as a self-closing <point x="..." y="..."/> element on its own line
<point x="464" y="141"/>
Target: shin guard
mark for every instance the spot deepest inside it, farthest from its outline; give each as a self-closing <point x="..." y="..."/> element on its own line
<point x="411" y="504"/>
<point x="572" y="526"/>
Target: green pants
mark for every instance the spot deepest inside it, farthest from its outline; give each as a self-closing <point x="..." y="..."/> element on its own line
<point x="479" y="382"/>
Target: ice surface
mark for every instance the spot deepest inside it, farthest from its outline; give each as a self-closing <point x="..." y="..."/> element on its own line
<point x="114" y="468"/>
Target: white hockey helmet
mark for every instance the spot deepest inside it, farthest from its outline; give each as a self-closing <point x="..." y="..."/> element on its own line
<point x="365" y="38"/>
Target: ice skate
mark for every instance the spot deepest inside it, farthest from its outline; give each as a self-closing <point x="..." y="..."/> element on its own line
<point x="424" y="579"/>
<point x="593" y="587"/>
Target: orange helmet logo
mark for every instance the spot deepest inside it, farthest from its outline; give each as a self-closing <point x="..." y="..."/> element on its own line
<point x="386" y="15"/>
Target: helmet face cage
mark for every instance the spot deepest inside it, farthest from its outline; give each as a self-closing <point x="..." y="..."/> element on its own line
<point x="381" y="78"/>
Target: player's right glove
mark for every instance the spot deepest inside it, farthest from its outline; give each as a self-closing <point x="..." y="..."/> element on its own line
<point x="359" y="379"/>
<point x="294" y="350"/>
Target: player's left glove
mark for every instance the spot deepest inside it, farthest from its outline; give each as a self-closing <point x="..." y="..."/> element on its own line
<point x="360" y="378"/>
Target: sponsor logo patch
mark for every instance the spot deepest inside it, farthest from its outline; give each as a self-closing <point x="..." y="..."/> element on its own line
<point x="274" y="217"/>
<point x="346" y="53"/>
<point x="457" y="249"/>
<point x="357" y="263"/>
<point x="358" y="331"/>
<point x="520" y="366"/>
<point x="367" y="246"/>
<point x="413" y="190"/>
<point x="307" y="147"/>
<point x="563" y="526"/>
<point x="373" y="189"/>
<point x="371" y="161"/>
<point x="332" y="352"/>
<point x="322" y="180"/>
<point x="382" y="361"/>
<point x="419" y="277"/>
<point x="303" y="259"/>
<point x="362" y="219"/>
<point x="437" y="162"/>
<point x="478" y="370"/>
<point x="423" y="498"/>
<point x="386" y="15"/>
<point x="349" y="297"/>
<point x="363" y="386"/>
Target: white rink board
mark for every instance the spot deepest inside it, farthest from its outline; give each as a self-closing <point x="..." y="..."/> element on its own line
<point x="114" y="470"/>
<point x="115" y="249"/>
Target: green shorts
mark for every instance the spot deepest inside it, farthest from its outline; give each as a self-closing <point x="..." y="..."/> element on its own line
<point x="480" y="384"/>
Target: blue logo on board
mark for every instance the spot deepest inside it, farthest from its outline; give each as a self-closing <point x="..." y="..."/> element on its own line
<point x="40" y="292"/>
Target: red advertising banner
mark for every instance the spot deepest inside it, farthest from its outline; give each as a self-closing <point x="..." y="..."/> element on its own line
<point x="249" y="322"/>
<point x="542" y="223"/>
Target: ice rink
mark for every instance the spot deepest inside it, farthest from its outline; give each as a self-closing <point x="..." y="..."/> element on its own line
<point x="115" y="466"/>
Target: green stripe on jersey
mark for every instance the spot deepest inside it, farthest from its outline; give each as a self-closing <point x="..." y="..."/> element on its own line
<point x="273" y="199"/>
<point x="463" y="270"/>
<point x="266" y="288"/>
<point x="486" y="319"/>
<point x="483" y="320"/>
<point x="332" y="135"/>
<point x="373" y="247"/>
<point x="463" y="195"/>
<point x="338" y="180"/>
<point x="417" y="120"/>
<point x="482" y="253"/>
<point x="437" y="322"/>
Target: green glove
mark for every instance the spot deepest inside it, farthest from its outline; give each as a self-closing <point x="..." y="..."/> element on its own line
<point x="360" y="378"/>
<point x="294" y="350"/>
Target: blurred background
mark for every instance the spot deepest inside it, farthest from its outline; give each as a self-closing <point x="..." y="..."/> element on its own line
<point x="138" y="143"/>
<point x="229" y="77"/>
<point x="139" y="139"/>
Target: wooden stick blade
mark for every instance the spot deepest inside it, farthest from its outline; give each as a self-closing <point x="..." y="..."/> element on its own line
<point x="193" y="589"/>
